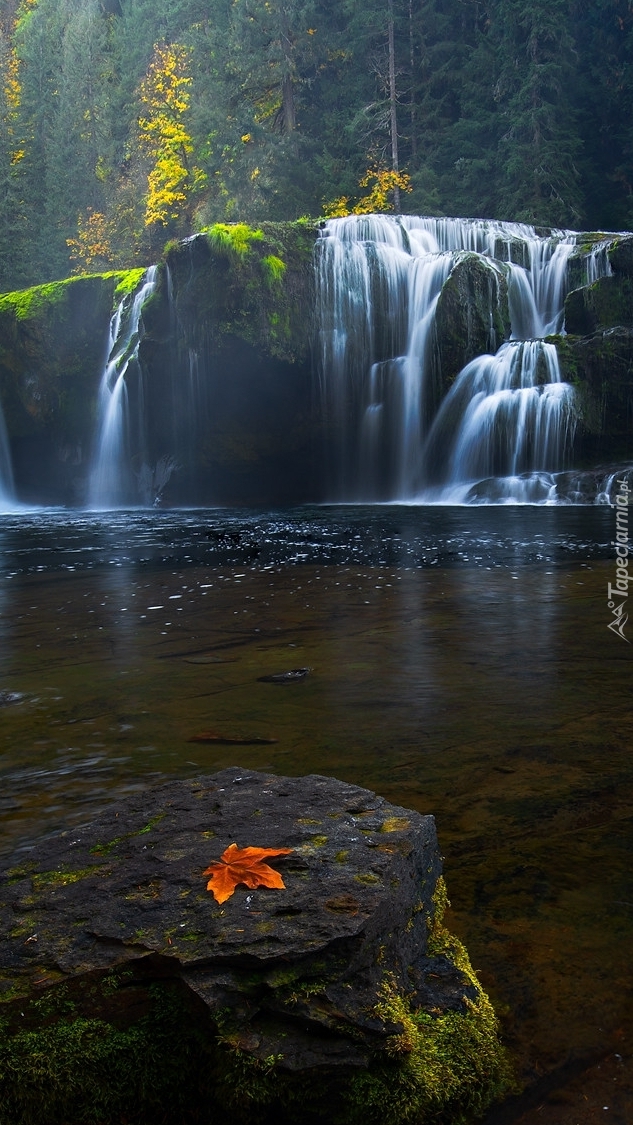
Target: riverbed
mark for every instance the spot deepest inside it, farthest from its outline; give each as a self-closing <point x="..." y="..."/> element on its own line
<point x="456" y="660"/>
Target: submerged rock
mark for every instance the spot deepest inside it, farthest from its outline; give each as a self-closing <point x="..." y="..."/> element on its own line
<point x="124" y="985"/>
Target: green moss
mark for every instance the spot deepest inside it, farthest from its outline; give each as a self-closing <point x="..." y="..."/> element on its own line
<point x="25" y="304"/>
<point x="150" y="824"/>
<point x="129" y="281"/>
<point x="17" y="874"/>
<point x="86" y="1071"/>
<point x="395" y="824"/>
<point x="233" y="239"/>
<point x="274" y="268"/>
<point x="62" y="877"/>
<point x="106" y="848"/>
<point x="449" y="1066"/>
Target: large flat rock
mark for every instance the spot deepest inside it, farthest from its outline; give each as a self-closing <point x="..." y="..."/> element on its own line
<point x="313" y="976"/>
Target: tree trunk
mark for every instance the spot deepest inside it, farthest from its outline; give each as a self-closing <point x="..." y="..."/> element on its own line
<point x="392" y="106"/>
<point x="288" y="112"/>
<point x="412" y="109"/>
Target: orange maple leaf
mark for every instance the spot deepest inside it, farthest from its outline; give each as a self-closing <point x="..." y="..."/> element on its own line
<point x="243" y="865"/>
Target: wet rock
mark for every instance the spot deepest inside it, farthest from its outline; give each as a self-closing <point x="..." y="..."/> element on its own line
<point x="621" y="255"/>
<point x="472" y="316"/>
<point x="303" y="1004"/>
<point x="600" y="367"/>
<point x="294" y="676"/>
<point x="9" y="697"/>
<point x="607" y="303"/>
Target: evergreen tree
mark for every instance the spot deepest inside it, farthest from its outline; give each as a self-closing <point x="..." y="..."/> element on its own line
<point x="539" y="147"/>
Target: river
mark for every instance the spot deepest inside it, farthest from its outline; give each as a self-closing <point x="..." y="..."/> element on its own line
<point x="459" y="663"/>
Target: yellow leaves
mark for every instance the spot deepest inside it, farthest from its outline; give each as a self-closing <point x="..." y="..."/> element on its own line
<point x="91" y="248"/>
<point x="12" y="86"/>
<point x="243" y="865"/>
<point x="247" y="137"/>
<point x="380" y="198"/>
<point x="338" y="208"/>
<point x="163" y="135"/>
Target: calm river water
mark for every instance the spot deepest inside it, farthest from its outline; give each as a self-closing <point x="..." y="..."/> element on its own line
<point x="460" y="664"/>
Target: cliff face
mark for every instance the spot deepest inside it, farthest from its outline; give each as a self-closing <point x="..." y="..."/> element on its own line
<point x="224" y="347"/>
<point x="53" y="340"/>
<point x="596" y="356"/>
<point x="238" y="321"/>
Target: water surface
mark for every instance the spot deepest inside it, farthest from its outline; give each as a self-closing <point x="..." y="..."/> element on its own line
<point x="460" y="664"/>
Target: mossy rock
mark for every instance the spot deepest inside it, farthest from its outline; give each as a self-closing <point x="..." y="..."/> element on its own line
<point x="607" y="303"/>
<point x="52" y="347"/>
<point x="621" y="255"/>
<point x="128" y="994"/>
<point x="472" y="316"/>
<point x="600" y="368"/>
<point x="256" y="284"/>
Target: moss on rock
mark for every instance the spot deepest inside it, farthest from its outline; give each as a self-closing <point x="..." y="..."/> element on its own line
<point x="607" y="303"/>
<point x="256" y="285"/>
<point x="52" y="348"/>
<point x="472" y="315"/>
<point x="352" y="1004"/>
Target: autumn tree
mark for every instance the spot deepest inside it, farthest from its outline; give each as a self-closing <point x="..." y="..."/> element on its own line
<point x="91" y="249"/>
<point x="164" y="96"/>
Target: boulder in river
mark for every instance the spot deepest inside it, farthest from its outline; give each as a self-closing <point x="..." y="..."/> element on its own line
<point x="127" y="993"/>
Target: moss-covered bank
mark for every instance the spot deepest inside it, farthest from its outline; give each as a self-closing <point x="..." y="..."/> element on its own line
<point x="237" y="302"/>
<point x="53" y="340"/>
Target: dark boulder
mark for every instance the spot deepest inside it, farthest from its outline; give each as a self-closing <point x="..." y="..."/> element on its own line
<point x="607" y="303"/>
<point x="472" y="316"/>
<point x="339" y="998"/>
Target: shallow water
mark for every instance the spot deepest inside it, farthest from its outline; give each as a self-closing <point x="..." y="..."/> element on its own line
<point x="460" y="663"/>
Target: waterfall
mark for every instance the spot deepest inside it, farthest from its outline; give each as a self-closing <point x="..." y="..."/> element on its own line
<point x="7" y="494"/>
<point x="112" y="482"/>
<point x="150" y="427"/>
<point x="507" y="416"/>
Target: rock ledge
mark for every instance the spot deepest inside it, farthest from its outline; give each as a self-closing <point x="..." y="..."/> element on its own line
<point x="343" y="989"/>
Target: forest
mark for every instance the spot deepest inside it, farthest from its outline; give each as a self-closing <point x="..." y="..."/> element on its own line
<point x="128" y="123"/>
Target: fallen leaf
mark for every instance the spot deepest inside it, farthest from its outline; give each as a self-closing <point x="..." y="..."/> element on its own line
<point x="243" y="865"/>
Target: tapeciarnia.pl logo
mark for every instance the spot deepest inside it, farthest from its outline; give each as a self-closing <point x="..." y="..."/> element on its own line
<point x="618" y="594"/>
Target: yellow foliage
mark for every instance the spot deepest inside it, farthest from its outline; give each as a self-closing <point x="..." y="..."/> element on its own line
<point x="338" y="208"/>
<point x="164" y="92"/>
<point x="91" y="248"/>
<point x="380" y="198"/>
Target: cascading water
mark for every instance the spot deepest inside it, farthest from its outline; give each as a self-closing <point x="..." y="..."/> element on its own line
<point x="507" y="416"/>
<point x="7" y="495"/>
<point x="112" y="482"/>
<point x="150" y="424"/>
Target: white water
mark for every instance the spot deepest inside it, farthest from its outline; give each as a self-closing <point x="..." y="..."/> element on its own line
<point x="507" y="416"/>
<point x="111" y="480"/>
<point x="7" y="494"/>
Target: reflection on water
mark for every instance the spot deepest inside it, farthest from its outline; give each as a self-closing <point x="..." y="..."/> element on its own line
<point x="460" y="664"/>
